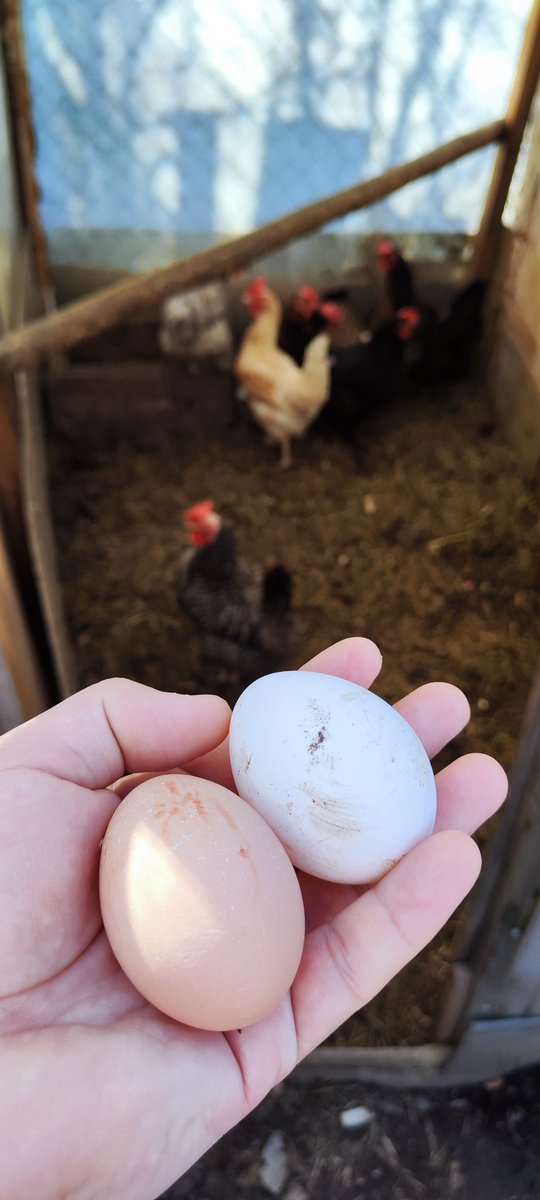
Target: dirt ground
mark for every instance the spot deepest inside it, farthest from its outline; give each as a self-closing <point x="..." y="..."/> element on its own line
<point x="430" y="545"/>
<point x="475" y="1144"/>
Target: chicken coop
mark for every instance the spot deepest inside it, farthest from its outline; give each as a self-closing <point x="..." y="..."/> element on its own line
<point x="157" y="160"/>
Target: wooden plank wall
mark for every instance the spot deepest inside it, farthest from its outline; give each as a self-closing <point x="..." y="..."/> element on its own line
<point x="26" y="677"/>
<point x="514" y="368"/>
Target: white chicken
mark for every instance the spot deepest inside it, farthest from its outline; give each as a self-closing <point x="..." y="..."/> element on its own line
<point x="283" y="397"/>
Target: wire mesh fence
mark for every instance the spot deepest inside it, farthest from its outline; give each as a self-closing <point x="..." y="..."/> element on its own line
<point x="196" y="119"/>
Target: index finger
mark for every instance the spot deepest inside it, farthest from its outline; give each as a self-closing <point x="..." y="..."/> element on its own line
<point x="113" y="728"/>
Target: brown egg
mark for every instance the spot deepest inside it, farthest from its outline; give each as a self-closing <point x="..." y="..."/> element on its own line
<point x="200" y="903"/>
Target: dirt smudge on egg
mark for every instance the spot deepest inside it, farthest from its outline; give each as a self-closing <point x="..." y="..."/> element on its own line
<point x="329" y="815"/>
<point x="387" y="866"/>
<point x="318" y="741"/>
<point x="245" y="760"/>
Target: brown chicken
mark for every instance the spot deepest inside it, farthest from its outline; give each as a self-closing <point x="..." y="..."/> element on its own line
<point x="244" y="615"/>
<point x="283" y="397"/>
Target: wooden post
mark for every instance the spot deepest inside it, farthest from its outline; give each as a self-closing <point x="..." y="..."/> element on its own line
<point x="22" y="633"/>
<point x="17" y="642"/>
<point x="75" y="323"/>
<point x="525" y="84"/>
<point x="11" y="508"/>
<point x="20" y="105"/>
<point x="10" y="493"/>
<point x="506" y="913"/>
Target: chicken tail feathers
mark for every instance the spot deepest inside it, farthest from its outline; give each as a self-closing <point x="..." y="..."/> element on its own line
<point x="277" y="590"/>
<point x="469" y="302"/>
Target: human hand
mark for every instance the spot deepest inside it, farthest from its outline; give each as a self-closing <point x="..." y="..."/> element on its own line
<point x="103" y="1097"/>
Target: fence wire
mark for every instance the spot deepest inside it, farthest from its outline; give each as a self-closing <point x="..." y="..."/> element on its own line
<point x="198" y="119"/>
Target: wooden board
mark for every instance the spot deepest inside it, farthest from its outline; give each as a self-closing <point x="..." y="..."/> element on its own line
<point x="40" y="529"/>
<point x="523" y="91"/>
<point x="17" y="643"/>
<point x="487" y="1050"/>
<point x="500" y="952"/>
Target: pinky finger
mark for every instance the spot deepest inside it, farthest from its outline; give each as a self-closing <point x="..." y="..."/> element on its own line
<point x="349" y="960"/>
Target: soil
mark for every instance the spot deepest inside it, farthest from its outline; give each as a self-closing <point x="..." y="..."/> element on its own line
<point x="428" y="542"/>
<point x="424" y="1145"/>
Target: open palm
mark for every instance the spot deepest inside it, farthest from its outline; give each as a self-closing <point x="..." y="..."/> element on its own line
<point x="101" y="1095"/>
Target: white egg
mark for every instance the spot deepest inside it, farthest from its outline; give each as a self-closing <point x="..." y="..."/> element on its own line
<point x="337" y="773"/>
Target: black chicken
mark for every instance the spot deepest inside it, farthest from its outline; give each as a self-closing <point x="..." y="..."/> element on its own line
<point x="244" y="616"/>
<point x="305" y="317"/>
<point x="448" y="346"/>
<point x="398" y="278"/>
<point x="367" y="374"/>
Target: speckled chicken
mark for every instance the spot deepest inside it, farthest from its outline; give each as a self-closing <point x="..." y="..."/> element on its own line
<point x="244" y="615"/>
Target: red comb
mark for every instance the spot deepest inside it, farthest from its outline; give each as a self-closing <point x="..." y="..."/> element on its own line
<point x="257" y="286"/>
<point x="385" y="249"/>
<point x="198" y="512"/>
<point x="332" y="313"/>
<point x="408" y="319"/>
<point x="309" y="294"/>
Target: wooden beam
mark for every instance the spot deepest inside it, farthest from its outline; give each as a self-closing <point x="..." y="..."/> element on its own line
<point x="11" y="506"/>
<point x="525" y="84"/>
<point x="17" y="642"/>
<point x="22" y="634"/>
<point x="39" y="523"/>
<point x="486" y="1050"/>
<point x="10" y="487"/>
<point x="507" y="896"/>
<point x="20" y="109"/>
<point x="77" y="322"/>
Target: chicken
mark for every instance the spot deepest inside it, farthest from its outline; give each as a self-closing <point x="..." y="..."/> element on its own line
<point x="245" y="617"/>
<point x="195" y="328"/>
<point x="399" y="292"/>
<point x="448" y="346"/>
<point x="397" y="275"/>
<point x="368" y="374"/>
<point x="307" y="316"/>
<point x="351" y="327"/>
<point x="283" y="397"/>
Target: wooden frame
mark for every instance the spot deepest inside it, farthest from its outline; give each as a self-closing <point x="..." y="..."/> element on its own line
<point x="27" y="672"/>
<point x="486" y="1050"/>
<point x="525" y="85"/>
<point x="16" y="640"/>
<point x="39" y="524"/>
<point x="76" y="322"/>
<point x="501" y="952"/>
<point x="24" y="142"/>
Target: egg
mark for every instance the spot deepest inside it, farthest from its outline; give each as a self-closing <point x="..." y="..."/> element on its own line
<point x="339" y="775"/>
<point x="200" y="903"/>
